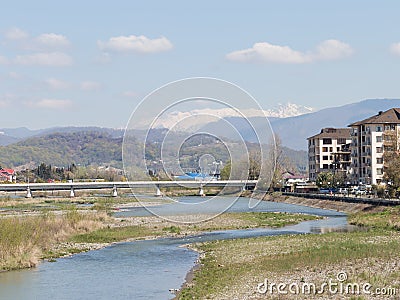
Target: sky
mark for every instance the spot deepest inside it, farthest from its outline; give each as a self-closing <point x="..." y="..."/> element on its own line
<point x="89" y="63"/>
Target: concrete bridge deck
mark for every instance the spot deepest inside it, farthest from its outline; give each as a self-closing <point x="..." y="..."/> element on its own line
<point x="72" y="186"/>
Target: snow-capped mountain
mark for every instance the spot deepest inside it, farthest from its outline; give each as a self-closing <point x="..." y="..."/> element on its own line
<point x="288" y="110"/>
<point x="181" y="121"/>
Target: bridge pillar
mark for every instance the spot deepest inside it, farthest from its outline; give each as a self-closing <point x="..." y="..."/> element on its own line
<point x="114" y="192"/>
<point x="158" y="192"/>
<point x="201" y="191"/>
<point x="72" y="192"/>
<point x="28" y="193"/>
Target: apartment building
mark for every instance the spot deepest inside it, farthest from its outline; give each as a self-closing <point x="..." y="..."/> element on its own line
<point x="329" y="151"/>
<point x="370" y="138"/>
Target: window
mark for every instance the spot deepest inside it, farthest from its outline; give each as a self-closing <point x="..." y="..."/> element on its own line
<point x="341" y="141"/>
<point x="325" y="157"/>
<point x="378" y="128"/>
<point x="379" y="139"/>
<point x="337" y="149"/>
<point x="324" y="149"/>
<point x="390" y="127"/>
<point x="327" y="141"/>
<point x="379" y="149"/>
<point x="325" y="166"/>
<point x="379" y="171"/>
<point x="388" y="148"/>
<point x="379" y="160"/>
<point x="331" y="149"/>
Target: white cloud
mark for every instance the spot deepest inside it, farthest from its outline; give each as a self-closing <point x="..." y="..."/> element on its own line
<point x="269" y="53"/>
<point x="14" y="75"/>
<point x="56" y="83"/>
<point x="53" y="59"/>
<point x="395" y="48"/>
<point x="134" y="43"/>
<point x="90" y="85"/>
<point x="16" y="34"/>
<point x="332" y="50"/>
<point x="103" y="58"/>
<point x="3" y="60"/>
<point x="3" y="103"/>
<point x="52" y="40"/>
<point x="52" y="103"/>
<point x="7" y="99"/>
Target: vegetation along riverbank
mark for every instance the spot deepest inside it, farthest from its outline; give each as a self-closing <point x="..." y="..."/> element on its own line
<point x="243" y="268"/>
<point x="50" y="228"/>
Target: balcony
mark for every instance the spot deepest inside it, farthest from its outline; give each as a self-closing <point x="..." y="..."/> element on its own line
<point x="366" y="143"/>
<point x="388" y="142"/>
<point x="366" y="154"/>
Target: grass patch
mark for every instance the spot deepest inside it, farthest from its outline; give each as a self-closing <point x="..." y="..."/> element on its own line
<point x="23" y="241"/>
<point x="228" y="263"/>
<point x="172" y="229"/>
<point x="387" y="219"/>
<point x="272" y="219"/>
<point x="115" y="234"/>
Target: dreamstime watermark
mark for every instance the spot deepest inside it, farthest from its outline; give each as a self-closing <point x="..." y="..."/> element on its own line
<point x="337" y="286"/>
<point x="190" y="129"/>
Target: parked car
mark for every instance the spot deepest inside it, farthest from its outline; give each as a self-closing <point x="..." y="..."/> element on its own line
<point x="328" y="190"/>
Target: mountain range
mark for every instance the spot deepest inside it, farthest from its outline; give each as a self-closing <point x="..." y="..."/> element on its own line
<point x="63" y="145"/>
<point x="208" y="115"/>
<point x="294" y="131"/>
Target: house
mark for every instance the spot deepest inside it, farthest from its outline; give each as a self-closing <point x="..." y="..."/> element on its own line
<point x="370" y="139"/>
<point x="7" y="175"/>
<point x="291" y="180"/>
<point x="328" y="151"/>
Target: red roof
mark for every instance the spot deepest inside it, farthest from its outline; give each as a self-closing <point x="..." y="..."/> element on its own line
<point x="7" y="171"/>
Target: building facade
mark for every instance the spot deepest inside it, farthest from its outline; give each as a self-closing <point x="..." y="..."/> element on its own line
<point x="370" y="139"/>
<point x="329" y="151"/>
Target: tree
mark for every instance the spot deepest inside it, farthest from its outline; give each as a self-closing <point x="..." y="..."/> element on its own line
<point x="254" y="165"/>
<point x="325" y="179"/>
<point x="281" y="161"/>
<point x="226" y="171"/>
<point x="391" y="158"/>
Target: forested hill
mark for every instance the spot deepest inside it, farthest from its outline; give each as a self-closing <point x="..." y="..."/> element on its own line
<point x="62" y="149"/>
<point x="99" y="148"/>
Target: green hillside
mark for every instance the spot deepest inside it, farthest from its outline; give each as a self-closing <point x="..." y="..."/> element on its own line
<point x="62" y="149"/>
<point x="97" y="148"/>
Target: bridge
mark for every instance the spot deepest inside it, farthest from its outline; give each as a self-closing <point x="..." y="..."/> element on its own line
<point x="73" y="186"/>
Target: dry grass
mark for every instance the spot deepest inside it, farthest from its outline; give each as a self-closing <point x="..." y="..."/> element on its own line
<point x="232" y="269"/>
<point x="23" y="241"/>
<point x="386" y="219"/>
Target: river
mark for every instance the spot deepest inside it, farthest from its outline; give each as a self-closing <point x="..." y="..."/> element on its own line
<point x="143" y="269"/>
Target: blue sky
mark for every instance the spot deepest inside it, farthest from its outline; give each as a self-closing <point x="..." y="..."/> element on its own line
<point x="91" y="62"/>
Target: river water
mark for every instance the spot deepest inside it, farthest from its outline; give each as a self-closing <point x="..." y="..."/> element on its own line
<point x="144" y="269"/>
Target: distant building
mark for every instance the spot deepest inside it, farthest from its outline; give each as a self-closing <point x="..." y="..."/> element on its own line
<point x="7" y="175"/>
<point x="370" y="138"/>
<point x="329" y="151"/>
